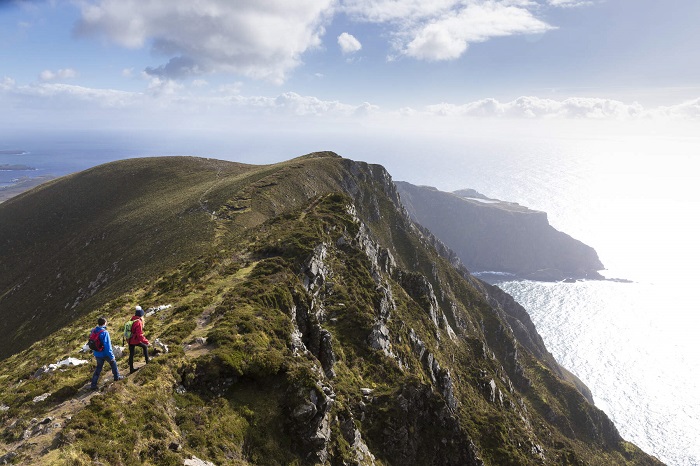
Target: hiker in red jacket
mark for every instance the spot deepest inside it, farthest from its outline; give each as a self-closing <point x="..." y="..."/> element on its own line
<point x="137" y="338"/>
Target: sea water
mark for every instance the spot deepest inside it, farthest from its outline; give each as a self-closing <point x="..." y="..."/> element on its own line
<point x="636" y="201"/>
<point x="633" y="199"/>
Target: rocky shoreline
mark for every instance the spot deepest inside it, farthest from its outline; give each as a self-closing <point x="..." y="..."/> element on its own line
<point x="24" y="183"/>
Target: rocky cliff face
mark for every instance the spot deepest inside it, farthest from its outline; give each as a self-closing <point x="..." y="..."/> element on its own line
<point x="319" y="325"/>
<point x="491" y="235"/>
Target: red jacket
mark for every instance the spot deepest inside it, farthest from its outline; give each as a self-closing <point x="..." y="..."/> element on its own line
<point x="137" y="331"/>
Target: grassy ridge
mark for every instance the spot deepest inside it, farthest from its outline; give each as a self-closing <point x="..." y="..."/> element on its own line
<point x="115" y="226"/>
<point x="237" y="387"/>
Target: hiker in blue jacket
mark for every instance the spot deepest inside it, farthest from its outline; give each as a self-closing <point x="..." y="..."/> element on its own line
<point x="103" y="353"/>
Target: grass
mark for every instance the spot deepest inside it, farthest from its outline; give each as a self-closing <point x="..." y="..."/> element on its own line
<point x="237" y="281"/>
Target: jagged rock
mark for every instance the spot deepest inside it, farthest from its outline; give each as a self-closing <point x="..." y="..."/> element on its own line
<point x="43" y="370"/>
<point x="69" y="362"/>
<point x="8" y="458"/>
<point x="311" y="423"/>
<point x="41" y="398"/>
<point x="316" y="270"/>
<point x="492" y="392"/>
<point x="421" y="429"/>
<point x="421" y="290"/>
<point x="379" y="338"/>
<point x="305" y="412"/>
<point x="118" y="351"/>
<point x="362" y="454"/>
<point x="159" y="345"/>
<point x="194" y="461"/>
<point x="152" y="310"/>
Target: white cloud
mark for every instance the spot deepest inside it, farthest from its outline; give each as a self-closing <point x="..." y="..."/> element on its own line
<point x="266" y="40"/>
<point x="66" y="73"/>
<point x="569" y="3"/>
<point x="231" y="88"/>
<point x="262" y="40"/>
<point x="62" y="96"/>
<point x="47" y="75"/>
<point x="443" y="29"/>
<point x="7" y="83"/>
<point x="449" y="36"/>
<point x="168" y="100"/>
<point x="689" y="110"/>
<point x="296" y="104"/>
<point x="535" y="107"/>
<point x="383" y="11"/>
<point x="158" y="86"/>
<point x="348" y="43"/>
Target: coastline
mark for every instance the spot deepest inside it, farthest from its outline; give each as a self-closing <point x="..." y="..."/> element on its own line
<point x="23" y="184"/>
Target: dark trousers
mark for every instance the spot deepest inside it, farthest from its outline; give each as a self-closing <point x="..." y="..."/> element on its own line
<point x="98" y="370"/>
<point x="131" y="354"/>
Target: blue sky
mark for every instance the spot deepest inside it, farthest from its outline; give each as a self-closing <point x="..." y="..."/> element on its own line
<point x="315" y="65"/>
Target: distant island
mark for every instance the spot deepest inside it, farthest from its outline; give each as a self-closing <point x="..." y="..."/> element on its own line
<point x="12" y="152"/>
<point x="15" y="167"/>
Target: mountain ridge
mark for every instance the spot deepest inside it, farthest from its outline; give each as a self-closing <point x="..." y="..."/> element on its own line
<point x="311" y="322"/>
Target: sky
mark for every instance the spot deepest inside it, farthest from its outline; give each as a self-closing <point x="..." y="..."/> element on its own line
<point x="327" y="71"/>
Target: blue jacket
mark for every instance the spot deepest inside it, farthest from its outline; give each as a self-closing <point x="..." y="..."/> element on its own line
<point x="106" y="352"/>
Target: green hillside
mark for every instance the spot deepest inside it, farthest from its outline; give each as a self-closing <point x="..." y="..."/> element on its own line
<point x="308" y="321"/>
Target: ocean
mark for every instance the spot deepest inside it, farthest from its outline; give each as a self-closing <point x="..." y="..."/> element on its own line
<point x="634" y="199"/>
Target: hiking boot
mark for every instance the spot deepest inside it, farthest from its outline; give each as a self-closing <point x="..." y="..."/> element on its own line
<point x="118" y="378"/>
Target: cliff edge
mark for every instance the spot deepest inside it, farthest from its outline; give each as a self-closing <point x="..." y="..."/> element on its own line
<point x="490" y="235"/>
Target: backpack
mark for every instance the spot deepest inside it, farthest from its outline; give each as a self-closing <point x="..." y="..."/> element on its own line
<point x="127" y="329"/>
<point x="94" y="342"/>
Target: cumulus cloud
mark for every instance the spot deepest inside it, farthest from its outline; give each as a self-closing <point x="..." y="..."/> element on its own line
<point x="163" y="87"/>
<point x="49" y="75"/>
<point x="569" y="3"/>
<point x="689" y="110"/>
<point x="535" y="107"/>
<point x="7" y="83"/>
<point x="262" y="40"/>
<point x="62" y="96"/>
<point x="174" y="100"/>
<point x="348" y="43"/>
<point x="443" y="29"/>
<point x="449" y="36"/>
<point x="266" y="40"/>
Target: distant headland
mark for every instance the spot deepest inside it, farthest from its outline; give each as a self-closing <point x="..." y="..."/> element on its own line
<point x="499" y="240"/>
<point x="12" y="152"/>
<point x="15" y="167"/>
